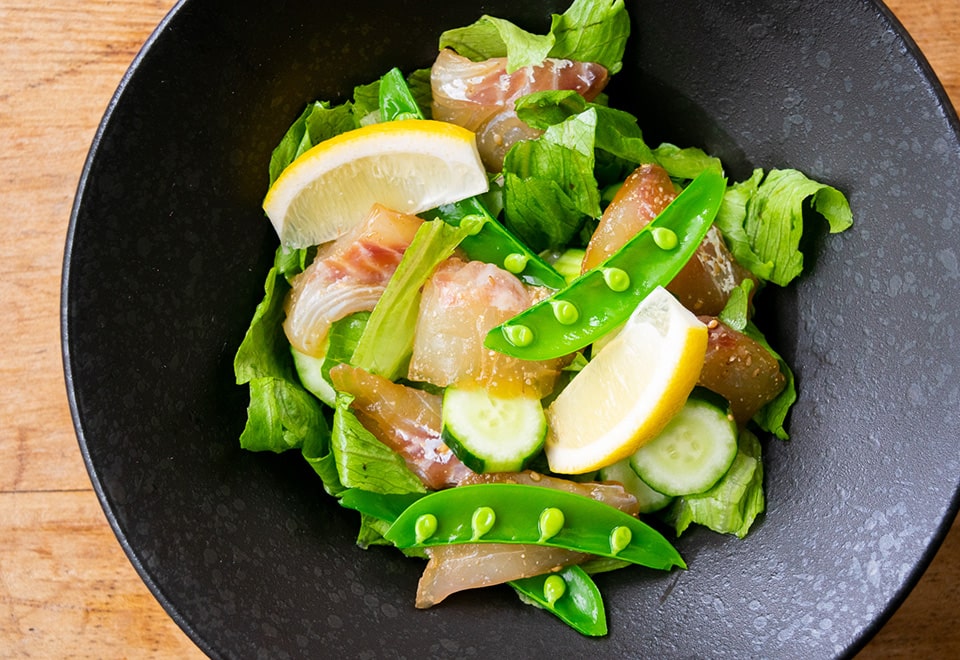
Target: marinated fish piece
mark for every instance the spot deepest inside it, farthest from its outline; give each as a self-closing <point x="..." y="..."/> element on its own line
<point x="347" y="275"/>
<point x="461" y="302"/>
<point x="405" y="419"/>
<point x="739" y="369"/>
<point x="480" y="96"/>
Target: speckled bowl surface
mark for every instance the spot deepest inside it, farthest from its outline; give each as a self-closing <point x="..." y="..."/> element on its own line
<point x="168" y="249"/>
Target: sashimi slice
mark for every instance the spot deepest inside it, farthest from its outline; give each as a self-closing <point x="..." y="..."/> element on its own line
<point x="461" y="302"/>
<point x="405" y="419"/>
<point x="348" y="275"/>
<point x="480" y="96"/>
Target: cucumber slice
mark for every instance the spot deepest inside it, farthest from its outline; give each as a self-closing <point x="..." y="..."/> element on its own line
<point x="309" y="369"/>
<point x="490" y="433"/>
<point x="622" y="472"/>
<point x="694" y="450"/>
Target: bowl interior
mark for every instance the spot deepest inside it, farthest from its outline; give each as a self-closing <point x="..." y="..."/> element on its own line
<point x="168" y="249"/>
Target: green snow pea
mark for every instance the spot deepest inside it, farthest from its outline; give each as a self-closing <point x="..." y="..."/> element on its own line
<point x="605" y="296"/>
<point x="492" y="242"/>
<point x="571" y="595"/>
<point x="516" y="513"/>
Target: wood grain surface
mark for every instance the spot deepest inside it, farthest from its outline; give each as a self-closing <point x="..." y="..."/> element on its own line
<point x="66" y="587"/>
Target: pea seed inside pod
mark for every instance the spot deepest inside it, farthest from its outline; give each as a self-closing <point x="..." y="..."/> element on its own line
<point x="665" y="239"/>
<point x="551" y="522"/>
<point x="565" y="311"/>
<point x="482" y="521"/>
<point x="553" y="589"/>
<point x="617" y="279"/>
<point x="425" y="527"/>
<point x="518" y="335"/>
<point x="473" y="223"/>
<point x="620" y="538"/>
<point x="515" y="262"/>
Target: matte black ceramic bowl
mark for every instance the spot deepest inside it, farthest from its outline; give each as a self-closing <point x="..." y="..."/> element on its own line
<point x="166" y="258"/>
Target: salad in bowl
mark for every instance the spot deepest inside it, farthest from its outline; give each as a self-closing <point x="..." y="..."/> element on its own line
<point x="515" y="337"/>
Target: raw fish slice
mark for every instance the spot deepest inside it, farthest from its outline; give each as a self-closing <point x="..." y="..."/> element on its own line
<point x="740" y="369"/>
<point x="348" y="275"/>
<point x="705" y="283"/>
<point x="461" y="302"/>
<point x="405" y="419"/>
<point x="454" y="568"/>
<point x="480" y="96"/>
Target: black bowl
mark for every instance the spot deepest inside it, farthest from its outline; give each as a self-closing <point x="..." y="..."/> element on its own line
<point x="168" y="249"/>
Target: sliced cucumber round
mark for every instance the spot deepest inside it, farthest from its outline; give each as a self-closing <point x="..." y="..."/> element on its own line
<point x="310" y="371"/>
<point x="694" y="450"/>
<point x="622" y="472"/>
<point x="490" y="433"/>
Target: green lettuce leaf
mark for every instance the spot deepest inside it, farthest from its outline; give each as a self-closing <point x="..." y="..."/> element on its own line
<point x="281" y="416"/>
<point x="549" y="187"/>
<point x="736" y="313"/>
<point x="772" y="417"/>
<point x="589" y="31"/>
<point x="363" y="461"/>
<point x="343" y="339"/>
<point x="387" y="341"/>
<point x="686" y="163"/>
<point x="592" y="31"/>
<point x="265" y="351"/>
<point x="318" y="122"/>
<point x="317" y="451"/>
<point x="732" y="505"/>
<point x="617" y="132"/>
<point x="763" y="220"/>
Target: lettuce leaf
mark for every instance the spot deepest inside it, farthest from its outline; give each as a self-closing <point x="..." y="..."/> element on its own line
<point x="731" y="506"/>
<point x="762" y="220"/>
<point x="281" y="415"/>
<point x="318" y="122"/>
<point x="589" y="31"/>
<point x="363" y="461"/>
<point x="772" y="417"/>
<point x="592" y="31"/>
<point x="686" y="163"/>
<point x="549" y="187"/>
<point x="616" y="133"/>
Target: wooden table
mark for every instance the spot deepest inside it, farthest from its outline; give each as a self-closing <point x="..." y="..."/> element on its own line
<point x="66" y="588"/>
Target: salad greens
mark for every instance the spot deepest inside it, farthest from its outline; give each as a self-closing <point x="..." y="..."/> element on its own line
<point x="550" y="195"/>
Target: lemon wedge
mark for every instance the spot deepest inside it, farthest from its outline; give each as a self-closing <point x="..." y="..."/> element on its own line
<point x="408" y="166"/>
<point x="629" y="390"/>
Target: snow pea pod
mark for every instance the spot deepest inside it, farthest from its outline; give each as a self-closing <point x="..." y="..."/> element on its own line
<point x="494" y="244"/>
<point x="571" y="595"/>
<point x="517" y="513"/>
<point x="602" y="298"/>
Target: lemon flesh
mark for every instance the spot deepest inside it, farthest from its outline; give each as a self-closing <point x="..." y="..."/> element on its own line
<point x="408" y="166"/>
<point x="629" y="390"/>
